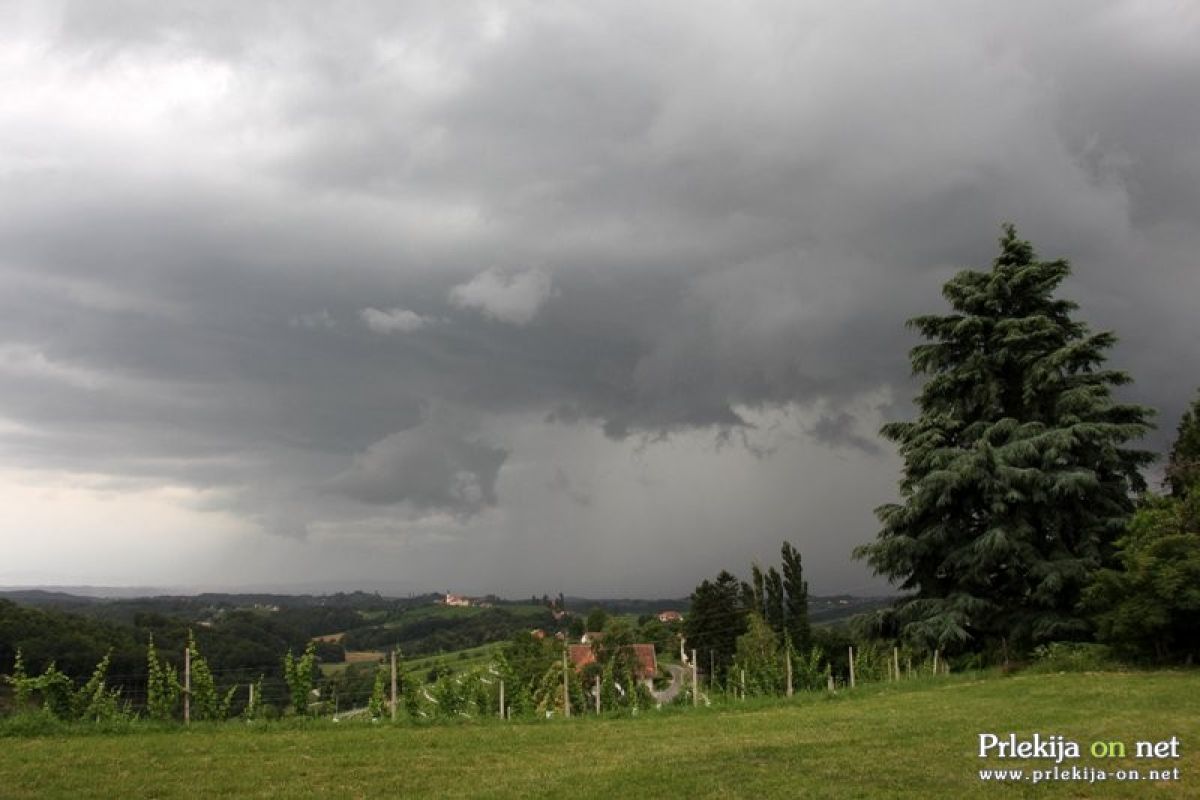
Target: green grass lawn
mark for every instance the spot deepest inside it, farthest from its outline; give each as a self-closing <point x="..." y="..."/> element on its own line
<point x="918" y="739"/>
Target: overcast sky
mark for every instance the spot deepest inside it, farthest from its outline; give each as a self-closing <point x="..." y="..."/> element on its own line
<point x="594" y="297"/>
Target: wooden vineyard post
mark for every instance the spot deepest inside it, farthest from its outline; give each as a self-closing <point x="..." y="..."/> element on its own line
<point x="187" y="685"/>
<point x="393" y="684"/>
<point x="566" y="685"/>
<point x="695" y="681"/>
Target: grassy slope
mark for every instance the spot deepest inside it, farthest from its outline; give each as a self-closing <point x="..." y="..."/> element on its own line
<point x="475" y="657"/>
<point x="916" y="740"/>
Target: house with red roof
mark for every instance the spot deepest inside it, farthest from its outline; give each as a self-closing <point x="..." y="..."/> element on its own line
<point x="645" y="659"/>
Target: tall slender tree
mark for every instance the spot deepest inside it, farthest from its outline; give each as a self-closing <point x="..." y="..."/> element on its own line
<point x="759" y="592"/>
<point x="796" y="604"/>
<point x="747" y="592"/>
<point x="1016" y="476"/>
<point x="775" y="601"/>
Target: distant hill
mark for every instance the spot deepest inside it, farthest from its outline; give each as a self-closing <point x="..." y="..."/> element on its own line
<point x="582" y="605"/>
<point x="329" y="613"/>
<point x="86" y="592"/>
<point x="44" y="597"/>
<point x="839" y="608"/>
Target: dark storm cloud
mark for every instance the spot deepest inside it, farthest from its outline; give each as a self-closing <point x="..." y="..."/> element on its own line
<point x="249" y="241"/>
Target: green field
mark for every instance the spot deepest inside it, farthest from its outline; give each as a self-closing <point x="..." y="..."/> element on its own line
<point x="917" y="739"/>
<point x="459" y="660"/>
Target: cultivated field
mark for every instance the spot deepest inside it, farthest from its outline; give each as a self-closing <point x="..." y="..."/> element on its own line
<point x="918" y="739"/>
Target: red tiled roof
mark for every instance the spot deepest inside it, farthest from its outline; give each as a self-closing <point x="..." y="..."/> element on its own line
<point x="647" y="663"/>
<point x="581" y="655"/>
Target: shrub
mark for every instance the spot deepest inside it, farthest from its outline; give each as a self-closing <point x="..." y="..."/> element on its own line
<point x="1071" y="657"/>
<point x="298" y="672"/>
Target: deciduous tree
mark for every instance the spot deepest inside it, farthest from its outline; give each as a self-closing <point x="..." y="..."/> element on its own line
<point x="1183" y="465"/>
<point x="1150" y="605"/>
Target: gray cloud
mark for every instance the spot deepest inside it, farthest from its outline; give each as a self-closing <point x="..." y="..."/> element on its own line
<point x="224" y="247"/>
<point x="428" y="467"/>
<point x="392" y="320"/>
<point x="515" y="298"/>
<point x="842" y="430"/>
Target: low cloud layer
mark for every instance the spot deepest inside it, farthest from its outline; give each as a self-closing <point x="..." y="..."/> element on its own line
<point x="521" y="296"/>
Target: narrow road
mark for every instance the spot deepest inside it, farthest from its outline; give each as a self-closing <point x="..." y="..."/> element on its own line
<point x="671" y="692"/>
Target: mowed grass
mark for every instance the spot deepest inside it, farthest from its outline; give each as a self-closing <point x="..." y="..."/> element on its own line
<point x="918" y="739"/>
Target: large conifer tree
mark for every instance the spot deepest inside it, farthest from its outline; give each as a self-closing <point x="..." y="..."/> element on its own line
<point x="1016" y="479"/>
